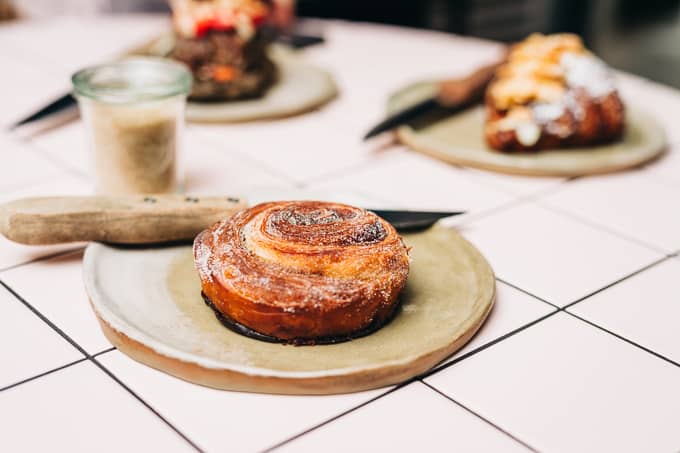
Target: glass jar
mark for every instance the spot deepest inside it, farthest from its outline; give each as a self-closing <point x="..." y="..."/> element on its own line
<point x="133" y="112"/>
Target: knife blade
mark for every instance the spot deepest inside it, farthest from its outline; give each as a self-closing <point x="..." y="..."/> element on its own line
<point x="60" y="105"/>
<point x="67" y="102"/>
<point x="140" y="219"/>
<point x="413" y="220"/>
<point x="453" y="95"/>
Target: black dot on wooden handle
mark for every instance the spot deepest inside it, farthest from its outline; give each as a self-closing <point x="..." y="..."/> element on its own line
<point x="149" y="200"/>
<point x="191" y="199"/>
<point x="233" y="200"/>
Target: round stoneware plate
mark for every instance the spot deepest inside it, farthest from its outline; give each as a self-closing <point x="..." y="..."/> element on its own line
<point x="459" y="139"/>
<point x="148" y="302"/>
<point x="300" y="88"/>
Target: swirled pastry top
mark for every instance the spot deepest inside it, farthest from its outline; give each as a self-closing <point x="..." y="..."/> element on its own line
<point x="302" y="257"/>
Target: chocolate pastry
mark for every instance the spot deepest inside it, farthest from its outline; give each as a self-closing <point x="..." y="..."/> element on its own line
<point x="302" y="272"/>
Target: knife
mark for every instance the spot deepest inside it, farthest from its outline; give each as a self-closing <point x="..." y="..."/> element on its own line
<point x="142" y="219"/>
<point x="67" y="102"/>
<point x="413" y="220"/>
<point x="453" y="95"/>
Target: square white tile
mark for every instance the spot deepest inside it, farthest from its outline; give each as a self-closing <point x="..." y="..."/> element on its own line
<point x="207" y="166"/>
<point x="26" y="86"/>
<point x="29" y="345"/>
<point x="300" y="148"/>
<point x="67" y="43"/>
<point x="213" y="169"/>
<point x="81" y="409"/>
<point x="637" y="207"/>
<point x="565" y="386"/>
<point x="517" y="185"/>
<point x="512" y="310"/>
<point x="359" y="71"/>
<point x="644" y="308"/>
<point x="218" y="419"/>
<point x="60" y="296"/>
<point x="11" y="253"/>
<point x="68" y="145"/>
<point x="413" y="181"/>
<point x="659" y="100"/>
<point x="21" y="165"/>
<point x="665" y="169"/>
<point x="414" y="418"/>
<point x="553" y="256"/>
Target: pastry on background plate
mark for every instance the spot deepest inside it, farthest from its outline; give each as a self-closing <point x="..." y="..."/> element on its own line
<point x="225" y="45"/>
<point x="302" y="272"/>
<point x="552" y="93"/>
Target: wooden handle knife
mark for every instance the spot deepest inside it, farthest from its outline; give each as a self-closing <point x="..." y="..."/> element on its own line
<point x="141" y="219"/>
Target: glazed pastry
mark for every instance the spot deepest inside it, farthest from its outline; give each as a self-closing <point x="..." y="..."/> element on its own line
<point x="225" y="45"/>
<point x="303" y="272"/>
<point x="552" y="93"/>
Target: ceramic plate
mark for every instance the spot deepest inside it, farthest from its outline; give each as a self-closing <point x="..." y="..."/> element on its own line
<point x="459" y="139"/>
<point x="300" y="87"/>
<point x="149" y="305"/>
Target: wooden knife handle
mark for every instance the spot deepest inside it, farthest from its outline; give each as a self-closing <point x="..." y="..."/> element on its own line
<point x="468" y="89"/>
<point x="139" y="219"/>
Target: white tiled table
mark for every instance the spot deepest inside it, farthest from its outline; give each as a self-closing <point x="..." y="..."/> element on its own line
<point x="581" y="353"/>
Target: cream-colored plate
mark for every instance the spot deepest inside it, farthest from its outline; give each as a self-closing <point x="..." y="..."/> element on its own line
<point x="149" y="305"/>
<point x="300" y="87"/>
<point x="459" y="139"/>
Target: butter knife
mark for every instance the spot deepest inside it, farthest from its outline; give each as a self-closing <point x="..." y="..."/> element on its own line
<point x="453" y="95"/>
<point x="140" y="219"/>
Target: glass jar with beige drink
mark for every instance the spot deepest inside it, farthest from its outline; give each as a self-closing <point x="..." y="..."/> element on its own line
<point x="133" y="111"/>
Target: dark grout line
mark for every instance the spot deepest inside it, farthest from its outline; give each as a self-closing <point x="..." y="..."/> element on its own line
<point x="95" y="362"/>
<point x="527" y="292"/>
<point x="481" y="348"/>
<point x="48" y="372"/>
<point x="589" y="295"/>
<point x="45" y="320"/>
<point x="413" y="379"/>
<point x="43" y="258"/>
<point x="342" y="414"/>
<point x="620" y="337"/>
<point x="616" y="282"/>
<point x="104" y="351"/>
<point x="147" y="405"/>
<point x="419" y="377"/>
<point x="487" y="421"/>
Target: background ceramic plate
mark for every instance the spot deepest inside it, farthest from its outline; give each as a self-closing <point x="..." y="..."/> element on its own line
<point x="300" y="88"/>
<point x="459" y="139"/>
<point x="149" y="305"/>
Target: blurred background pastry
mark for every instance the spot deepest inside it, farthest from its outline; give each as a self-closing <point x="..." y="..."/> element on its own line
<point x="552" y="93"/>
<point x="225" y="45"/>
